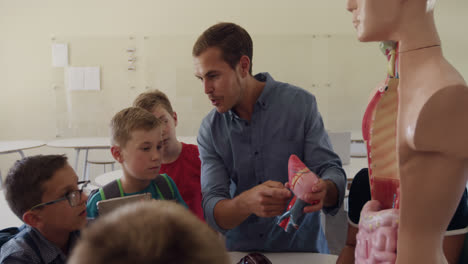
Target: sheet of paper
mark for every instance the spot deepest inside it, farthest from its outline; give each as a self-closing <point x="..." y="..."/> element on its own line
<point x="59" y="55"/>
<point x="84" y="78"/>
<point x="76" y="78"/>
<point x="92" y="78"/>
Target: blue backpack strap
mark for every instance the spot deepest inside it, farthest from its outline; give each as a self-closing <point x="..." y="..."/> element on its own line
<point x="164" y="188"/>
<point x="111" y="190"/>
<point x="7" y="234"/>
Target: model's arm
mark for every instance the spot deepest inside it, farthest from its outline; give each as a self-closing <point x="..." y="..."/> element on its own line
<point x="437" y="139"/>
<point x="442" y="124"/>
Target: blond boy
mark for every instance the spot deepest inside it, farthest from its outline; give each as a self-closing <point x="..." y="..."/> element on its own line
<point x="150" y="232"/>
<point x="180" y="160"/>
<point x="136" y="138"/>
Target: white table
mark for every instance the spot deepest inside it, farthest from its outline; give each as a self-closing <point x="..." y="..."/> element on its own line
<point x="18" y="146"/>
<point x="85" y="143"/>
<point x="290" y="257"/>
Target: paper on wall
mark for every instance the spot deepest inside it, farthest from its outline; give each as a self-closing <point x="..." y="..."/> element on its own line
<point x="92" y="79"/>
<point x="59" y="55"/>
<point x="75" y="78"/>
<point x="84" y="78"/>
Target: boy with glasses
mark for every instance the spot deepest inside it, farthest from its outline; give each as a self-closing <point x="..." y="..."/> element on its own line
<point x="44" y="192"/>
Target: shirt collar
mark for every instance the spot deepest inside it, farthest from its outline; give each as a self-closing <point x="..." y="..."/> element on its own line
<point x="262" y="100"/>
<point x="53" y="252"/>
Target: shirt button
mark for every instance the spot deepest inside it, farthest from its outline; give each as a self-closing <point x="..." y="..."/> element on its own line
<point x="260" y="235"/>
<point x="259" y="182"/>
<point x="256" y="152"/>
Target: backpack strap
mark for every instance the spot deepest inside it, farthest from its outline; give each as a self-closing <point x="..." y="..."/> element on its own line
<point x="164" y="187"/>
<point x="111" y="190"/>
<point x="7" y="234"/>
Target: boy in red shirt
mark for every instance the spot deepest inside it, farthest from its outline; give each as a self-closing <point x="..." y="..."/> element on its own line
<point x="180" y="160"/>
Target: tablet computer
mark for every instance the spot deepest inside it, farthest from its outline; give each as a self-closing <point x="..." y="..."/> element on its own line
<point x="106" y="206"/>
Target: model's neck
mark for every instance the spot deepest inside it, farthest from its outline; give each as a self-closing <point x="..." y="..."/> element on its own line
<point x="417" y="31"/>
<point x="419" y="42"/>
<point x="172" y="152"/>
<point x="251" y="91"/>
<point x="410" y="61"/>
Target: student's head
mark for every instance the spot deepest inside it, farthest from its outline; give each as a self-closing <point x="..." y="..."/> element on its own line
<point x="159" y="105"/>
<point x="150" y="232"/>
<point x="43" y="191"/>
<point x="136" y="137"/>
<point x="383" y="20"/>
<point x="223" y="61"/>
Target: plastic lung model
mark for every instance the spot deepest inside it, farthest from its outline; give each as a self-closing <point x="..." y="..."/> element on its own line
<point x="301" y="180"/>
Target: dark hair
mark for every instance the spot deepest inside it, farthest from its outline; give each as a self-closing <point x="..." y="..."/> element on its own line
<point x="24" y="184"/>
<point x="233" y="41"/>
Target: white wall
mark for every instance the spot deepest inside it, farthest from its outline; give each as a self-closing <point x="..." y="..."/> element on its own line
<point x="308" y="43"/>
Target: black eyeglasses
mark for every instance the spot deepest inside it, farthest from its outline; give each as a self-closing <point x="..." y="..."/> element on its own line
<point x="73" y="197"/>
<point x="254" y="258"/>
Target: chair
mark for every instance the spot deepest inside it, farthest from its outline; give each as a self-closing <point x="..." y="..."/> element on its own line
<point x="105" y="178"/>
<point x="98" y="162"/>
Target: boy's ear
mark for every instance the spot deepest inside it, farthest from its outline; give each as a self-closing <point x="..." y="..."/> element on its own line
<point x="174" y="115"/>
<point x="117" y="153"/>
<point x="32" y="218"/>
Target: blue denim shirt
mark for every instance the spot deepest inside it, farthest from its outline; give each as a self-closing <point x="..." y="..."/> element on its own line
<point x="18" y="250"/>
<point x="237" y="155"/>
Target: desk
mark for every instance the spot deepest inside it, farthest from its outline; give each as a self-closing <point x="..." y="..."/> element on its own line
<point x="7" y="147"/>
<point x="81" y="143"/>
<point x="290" y="257"/>
<point x="19" y="145"/>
